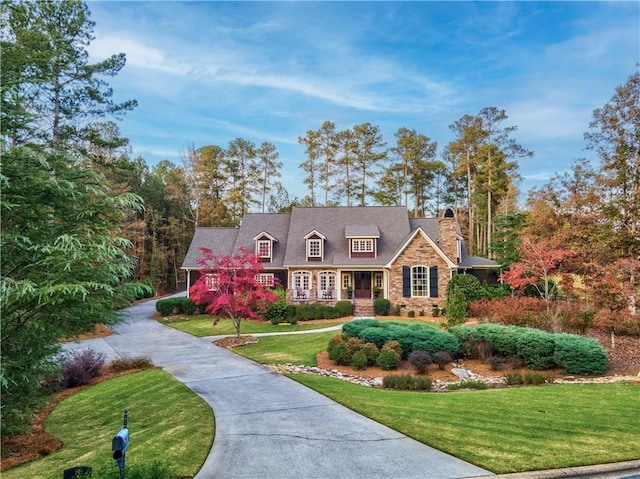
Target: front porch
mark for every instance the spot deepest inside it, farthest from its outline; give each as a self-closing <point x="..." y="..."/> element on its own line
<point x="338" y="285"/>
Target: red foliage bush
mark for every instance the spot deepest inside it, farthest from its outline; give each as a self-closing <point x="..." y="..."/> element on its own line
<point x="512" y="310"/>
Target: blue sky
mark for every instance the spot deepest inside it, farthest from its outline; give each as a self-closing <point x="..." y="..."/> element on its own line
<point x="209" y="72"/>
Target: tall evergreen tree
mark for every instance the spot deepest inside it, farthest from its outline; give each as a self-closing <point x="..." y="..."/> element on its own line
<point x="368" y="150"/>
<point x="310" y="166"/>
<point x="51" y="93"/>
<point x="269" y="166"/>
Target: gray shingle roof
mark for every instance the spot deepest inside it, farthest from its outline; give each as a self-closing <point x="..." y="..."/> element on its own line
<point x="275" y="224"/>
<point x="392" y="223"/>
<point x="361" y="231"/>
<point x="220" y="240"/>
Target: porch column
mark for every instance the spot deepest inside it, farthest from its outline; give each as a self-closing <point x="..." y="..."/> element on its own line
<point x="339" y="284"/>
<point x="385" y="283"/>
<point x="188" y="281"/>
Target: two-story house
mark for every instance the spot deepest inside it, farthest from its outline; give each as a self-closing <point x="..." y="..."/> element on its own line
<point x="337" y="253"/>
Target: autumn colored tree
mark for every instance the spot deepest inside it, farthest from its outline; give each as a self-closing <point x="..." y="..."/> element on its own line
<point x="614" y="289"/>
<point x="539" y="263"/>
<point x="229" y="285"/>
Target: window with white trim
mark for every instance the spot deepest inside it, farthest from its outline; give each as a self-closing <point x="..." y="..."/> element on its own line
<point x="362" y="246"/>
<point x="419" y="281"/>
<point x="263" y="248"/>
<point x="326" y="280"/>
<point x="302" y="280"/>
<point x="265" y="279"/>
<point x="346" y="280"/>
<point x="314" y="248"/>
<point x="377" y="280"/>
<point x="212" y="280"/>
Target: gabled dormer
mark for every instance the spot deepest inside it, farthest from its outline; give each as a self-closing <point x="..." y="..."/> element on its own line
<point x="363" y="240"/>
<point x="264" y="243"/>
<point x="314" y="246"/>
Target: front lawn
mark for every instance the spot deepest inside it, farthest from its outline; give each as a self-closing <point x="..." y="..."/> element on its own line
<point x="507" y="430"/>
<point x="295" y="349"/>
<point x="201" y="326"/>
<point x="167" y="421"/>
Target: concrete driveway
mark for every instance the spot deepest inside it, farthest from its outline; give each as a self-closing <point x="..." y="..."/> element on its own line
<point x="268" y="426"/>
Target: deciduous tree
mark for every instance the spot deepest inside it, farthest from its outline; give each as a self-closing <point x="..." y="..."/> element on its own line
<point x="229" y="285"/>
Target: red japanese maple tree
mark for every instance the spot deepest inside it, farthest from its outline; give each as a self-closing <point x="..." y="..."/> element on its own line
<point x="229" y="285"/>
<point x="540" y="262"/>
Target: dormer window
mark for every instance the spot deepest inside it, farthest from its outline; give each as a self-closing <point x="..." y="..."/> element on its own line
<point x="363" y="240"/>
<point x="264" y="249"/>
<point x="264" y="246"/>
<point x="315" y="246"/>
<point x="362" y="246"/>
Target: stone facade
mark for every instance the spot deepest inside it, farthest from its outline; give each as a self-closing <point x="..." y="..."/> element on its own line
<point x="418" y="253"/>
<point x="448" y="241"/>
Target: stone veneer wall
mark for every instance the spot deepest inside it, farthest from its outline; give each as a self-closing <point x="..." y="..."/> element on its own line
<point x="447" y="241"/>
<point x="418" y="252"/>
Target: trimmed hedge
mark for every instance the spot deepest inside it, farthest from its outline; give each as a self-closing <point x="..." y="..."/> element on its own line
<point x="412" y="337"/>
<point x="309" y="312"/>
<point x="182" y="305"/>
<point x="580" y="355"/>
<point x="538" y="349"/>
<point x="381" y="307"/>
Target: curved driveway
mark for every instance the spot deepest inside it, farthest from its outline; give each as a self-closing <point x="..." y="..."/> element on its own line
<point x="268" y="426"/>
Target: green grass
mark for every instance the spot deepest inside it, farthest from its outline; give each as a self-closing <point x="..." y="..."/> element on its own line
<point x="507" y="430"/>
<point x="296" y="349"/>
<point x="201" y="326"/>
<point x="167" y="421"/>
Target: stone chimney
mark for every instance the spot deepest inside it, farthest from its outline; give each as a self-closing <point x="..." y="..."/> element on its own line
<point x="447" y="239"/>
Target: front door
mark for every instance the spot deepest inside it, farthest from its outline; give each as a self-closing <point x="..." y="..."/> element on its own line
<point x="362" y="284"/>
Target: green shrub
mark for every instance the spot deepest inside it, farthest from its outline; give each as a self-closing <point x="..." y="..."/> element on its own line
<point x="411" y="337"/>
<point x="166" y="306"/>
<point x="469" y="384"/>
<point x="359" y="361"/>
<point x="343" y="308"/>
<point x="388" y="359"/>
<point x="353" y="328"/>
<point x="335" y="341"/>
<point x="514" y="379"/>
<point x="411" y="314"/>
<point x="309" y="312"/>
<point x="381" y="307"/>
<point x="371" y="351"/>
<point x="184" y="306"/>
<point x="536" y="348"/>
<point x="406" y="382"/>
<point x="394" y="346"/>
<point x="579" y="355"/>
<point x="435" y="311"/>
<point x="537" y="378"/>
<point x="340" y="355"/>
<point x="420" y="360"/>
<point x="354" y="345"/>
<point x="277" y="311"/>
<point x="396" y="310"/>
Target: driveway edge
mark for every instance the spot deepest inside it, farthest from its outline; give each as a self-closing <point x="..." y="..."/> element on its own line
<point x="629" y="467"/>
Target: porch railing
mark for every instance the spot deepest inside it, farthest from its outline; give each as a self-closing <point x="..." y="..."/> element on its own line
<point x="300" y="294"/>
